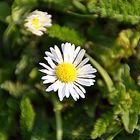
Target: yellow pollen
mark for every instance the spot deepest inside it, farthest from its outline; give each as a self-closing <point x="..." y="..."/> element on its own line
<point x="35" y="22"/>
<point x="66" y="72"/>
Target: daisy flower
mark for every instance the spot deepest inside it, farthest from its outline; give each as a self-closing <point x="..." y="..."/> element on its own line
<point x="37" y="22"/>
<point x="66" y="72"/>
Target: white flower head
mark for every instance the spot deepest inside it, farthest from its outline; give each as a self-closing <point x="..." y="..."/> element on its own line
<point x="37" y="22"/>
<point x="66" y="72"/>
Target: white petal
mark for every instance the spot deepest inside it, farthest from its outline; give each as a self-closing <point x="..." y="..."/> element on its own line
<point x="79" y="57"/>
<point x="72" y="49"/>
<point x="50" y="55"/>
<point x="82" y="63"/>
<point x="50" y="88"/>
<point x="55" y="54"/>
<point x="85" y="82"/>
<point x="76" y="51"/>
<point x="43" y="29"/>
<point x="66" y="90"/>
<point x="36" y="32"/>
<point x="79" y="91"/>
<point x="85" y="75"/>
<point x="59" y="55"/>
<point x="66" y="52"/>
<point x="61" y="93"/>
<point x="83" y="90"/>
<point x="47" y="72"/>
<point x="48" y="81"/>
<point x="57" y="85"/>
<point x="73" y="92"/>
<point x="86" y="69"/>
<point x="62" y="47"/>
<point x="46" y="66"/>
<point x="48" y="78"/>
<point x="50" y="62"/>
<point x="53" y="86"/>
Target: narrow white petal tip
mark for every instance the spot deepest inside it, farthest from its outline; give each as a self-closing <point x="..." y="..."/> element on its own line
<point x="84" y="97"/>
<point x="61" y="99"/>
<point x="49" y="89"/>
<point x="67" y="96"/>
<point x="42" y="71"/>
<point x="46" y="52"/>
<point x="41" y="63"/>
<point x="44" y="82"/>
<point x="94" y="70"/>
<point x="43" y="78"/>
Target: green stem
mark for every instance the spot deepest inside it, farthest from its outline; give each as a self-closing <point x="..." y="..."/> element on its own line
<point x="83" y="15"/>
<point x="58" y="118"/>
<point x="59" y="125"/>
<point x="102" y="71"/>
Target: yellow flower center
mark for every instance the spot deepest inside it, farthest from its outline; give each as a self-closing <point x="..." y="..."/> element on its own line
<point x="66" y="72"/>
<point x="35" y="23"/>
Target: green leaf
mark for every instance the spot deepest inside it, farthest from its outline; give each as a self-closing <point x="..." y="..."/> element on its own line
<point x="4" y="11"/>
<point x="23" y="63"/>
<point x="118" y="95"/>
<point x="26" y="63"/>
<point x="100" y="129"/>
<point x="127" y="79"/>
<point x="40" y="131"/>
<point x="10" y="35"/>
<point x="125" y="120"/>
<point x="130" y="121"/>
<point x="126" y="11"/>
<point x="126" y="43"/>
<point x="27" y="118"/>
<point x="79" y="6"/>
<point x="113" y="129"/>
<point x="101" y="125"/>
<point x="129" y="111"/>
<point x="21" y="7"/>
<point x="17" y="89"/>
<point x="60" y="5"/>
<point x="66" y="34"/>
<point x="135" y="107"/>
<point x="14" y="89"/>
<point x="7" y="121"/>
<point x="133" y="122"/>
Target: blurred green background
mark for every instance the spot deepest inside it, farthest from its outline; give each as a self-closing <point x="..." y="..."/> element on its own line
<point x="109" y="31"/>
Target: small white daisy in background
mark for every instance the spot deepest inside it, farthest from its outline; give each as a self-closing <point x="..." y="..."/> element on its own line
<point x="37" y="21"/>
<point x="67" y="72"/>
